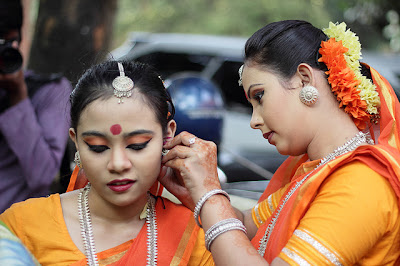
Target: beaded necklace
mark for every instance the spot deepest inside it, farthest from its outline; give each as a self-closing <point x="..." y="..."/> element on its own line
<point x="350" y="145"/>
<point x="87" y="229"/>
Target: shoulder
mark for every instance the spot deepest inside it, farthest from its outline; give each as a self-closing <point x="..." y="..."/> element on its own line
<point x="35" y="203"/>
<point x="357" y="182"/>
<point x="356" y="172"/>
<point x="30" y="211"/>
<point x="36" y="81"/>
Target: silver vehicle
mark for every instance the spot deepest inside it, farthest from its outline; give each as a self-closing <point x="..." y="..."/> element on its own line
<point x="244" y="155"/>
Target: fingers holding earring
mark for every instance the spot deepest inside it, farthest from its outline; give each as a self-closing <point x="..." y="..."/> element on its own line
<point x="184" y="139"/>
<point x="192" y="141"/>
<point x="164" y="152"/>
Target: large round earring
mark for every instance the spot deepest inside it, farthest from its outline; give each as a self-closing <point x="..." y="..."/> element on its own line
<point x="77" y="159"/>
<point x="309" y="95"/>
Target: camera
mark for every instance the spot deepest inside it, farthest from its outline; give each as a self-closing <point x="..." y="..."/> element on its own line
<point x="10" y="59"/>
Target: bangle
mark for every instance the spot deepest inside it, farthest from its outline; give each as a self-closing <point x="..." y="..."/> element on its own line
<point x="203" y="199"/>
<point x="222" y="227"/>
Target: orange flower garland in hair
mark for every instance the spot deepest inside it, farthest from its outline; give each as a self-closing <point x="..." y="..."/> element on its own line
<point x="355" y="93"/>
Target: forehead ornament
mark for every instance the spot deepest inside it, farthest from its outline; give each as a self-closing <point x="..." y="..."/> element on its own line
<point x="122" y="85"/>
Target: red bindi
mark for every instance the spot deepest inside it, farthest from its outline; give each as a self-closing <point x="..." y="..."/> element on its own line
<point x="116" y="129"/>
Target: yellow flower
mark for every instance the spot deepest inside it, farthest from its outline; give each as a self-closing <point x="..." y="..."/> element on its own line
<point x="367" y="90"/>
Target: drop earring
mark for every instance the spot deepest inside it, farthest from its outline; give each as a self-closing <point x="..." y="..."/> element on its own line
<point x="77" y="159"/>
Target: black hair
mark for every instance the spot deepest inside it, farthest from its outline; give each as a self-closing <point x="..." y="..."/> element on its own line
<point x="96" y="83"/>
<point x="10" y="16"/>
<point x="281" y="46"/>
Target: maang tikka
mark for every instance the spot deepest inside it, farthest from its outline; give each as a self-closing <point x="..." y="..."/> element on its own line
<point x="122" y="85"/>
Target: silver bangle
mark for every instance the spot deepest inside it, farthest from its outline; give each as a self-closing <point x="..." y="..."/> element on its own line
<point x="203" y="199"/>
<point x="222" y="227"/>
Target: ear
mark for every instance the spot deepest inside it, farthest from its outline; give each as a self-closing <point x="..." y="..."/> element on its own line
<point x="306" y="74"/>
<point x="72" y="136"/>
<point x="171" y="129"/>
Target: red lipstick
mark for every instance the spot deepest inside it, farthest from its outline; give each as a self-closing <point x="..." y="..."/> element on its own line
<point x="268" y="136"/>
<point x="120" y="185"/>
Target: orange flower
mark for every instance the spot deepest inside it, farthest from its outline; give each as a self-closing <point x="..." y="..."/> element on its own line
<point x="343" y="81"/>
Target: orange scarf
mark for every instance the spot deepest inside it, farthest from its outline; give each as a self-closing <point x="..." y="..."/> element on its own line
<point x="384" y="158"/>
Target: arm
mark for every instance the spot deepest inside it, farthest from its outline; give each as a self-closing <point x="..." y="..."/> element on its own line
<point x="196" y="167"/>
<point x="36" y="131"/>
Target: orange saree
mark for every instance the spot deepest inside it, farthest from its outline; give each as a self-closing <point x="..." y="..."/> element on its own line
<point x="177" y="234"/>
<point x="175" y="239"/>
<point x="383" y="158"/>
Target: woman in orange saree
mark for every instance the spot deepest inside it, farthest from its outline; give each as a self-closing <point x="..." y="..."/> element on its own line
<point x="335" y="200"/>
<point x="121" y="116"/>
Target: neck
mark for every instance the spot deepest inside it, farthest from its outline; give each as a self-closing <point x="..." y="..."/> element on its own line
<point x="325" y="143"/>
<point x="105" y="210"/>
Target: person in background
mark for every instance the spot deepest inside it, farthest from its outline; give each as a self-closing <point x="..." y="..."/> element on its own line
<point x="335" y="200"/>
<point x="33" y="117"/>
<point x="121" y="116"/>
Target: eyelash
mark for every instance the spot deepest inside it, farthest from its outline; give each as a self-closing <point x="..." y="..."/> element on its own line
<point x="138" y="146"/>
<point x="258" y="95"/>
<point x="102" y="148"/>
<point x="97" y="148"/>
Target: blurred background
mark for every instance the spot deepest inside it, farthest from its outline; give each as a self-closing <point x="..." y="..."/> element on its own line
<point x="203" y="38"/>
<point x="68" y="35"/>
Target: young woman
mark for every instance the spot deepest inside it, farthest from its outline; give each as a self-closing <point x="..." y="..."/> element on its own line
<point x="121" y="116"/>
<point x="335" y="201"/>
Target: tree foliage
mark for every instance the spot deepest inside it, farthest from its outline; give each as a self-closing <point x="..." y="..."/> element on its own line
<point x="241" y="18"/>
<point x="225" y="17"/>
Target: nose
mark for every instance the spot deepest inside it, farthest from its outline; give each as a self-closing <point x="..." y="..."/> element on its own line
<point x="119" y="161"/>
<point x="256" y="121"/>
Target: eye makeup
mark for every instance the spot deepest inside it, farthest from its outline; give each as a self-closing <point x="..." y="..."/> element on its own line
<point x="94" y="140"/>
<point x="139" y="139"/>
<point x="96" y="144"/>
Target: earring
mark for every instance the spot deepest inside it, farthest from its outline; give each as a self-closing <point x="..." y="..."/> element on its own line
<point x="164" y="152"/>
<point x="309" y="95"/>
<point x="77" y="159"/>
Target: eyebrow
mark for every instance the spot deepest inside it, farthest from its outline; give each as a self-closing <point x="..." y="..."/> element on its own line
<point x="138" y="132"/>
<point x="130" y="134"/>
<point x="251" y="86"/>
<point x="92" y="133"/>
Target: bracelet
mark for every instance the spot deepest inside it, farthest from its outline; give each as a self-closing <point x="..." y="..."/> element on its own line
<point x="222" y="227"/>
<point x="203" y="199"/>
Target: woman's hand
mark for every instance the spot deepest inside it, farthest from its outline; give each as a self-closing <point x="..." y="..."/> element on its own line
<point x="168" y="179"/>
<point x="194" y="162"/>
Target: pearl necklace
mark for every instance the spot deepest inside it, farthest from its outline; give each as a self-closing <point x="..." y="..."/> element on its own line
<point x="350" y="145"/>
<point x="87" y="229"/>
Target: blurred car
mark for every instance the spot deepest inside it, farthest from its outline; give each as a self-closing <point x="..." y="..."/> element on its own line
<point x="243" y="153"/>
